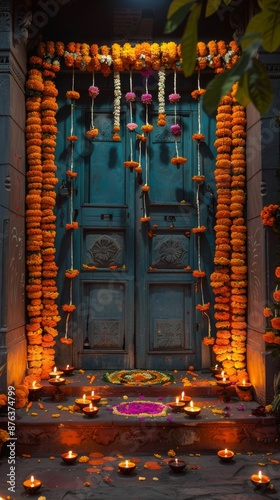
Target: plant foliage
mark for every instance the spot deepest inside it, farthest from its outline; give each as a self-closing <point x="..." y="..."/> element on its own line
<point x="262" y="33"/>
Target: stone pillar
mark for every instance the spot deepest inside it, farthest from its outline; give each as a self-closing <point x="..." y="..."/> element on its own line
<point x="262" y="189"/>
<point x="12" y="200"/>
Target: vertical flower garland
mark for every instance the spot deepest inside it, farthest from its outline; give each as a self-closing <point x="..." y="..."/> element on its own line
<point x="220" y="278"/>
<point x="33" y="133"/>
<point x="71" y="273"/>
<point x="93" y="92"/>
<point x="176" y="129"/>
<point x="238" y="237"/>
<point x="199" y="230"/>
<point x="131" y="127"/>
<point x="50" y="315"/>
<point x="147" y="128"/>
<point x="161" y="97"/>
<point x="117" y="106"/>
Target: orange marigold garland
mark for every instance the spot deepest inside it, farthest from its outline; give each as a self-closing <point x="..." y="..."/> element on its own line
<point x="220" y="278"/>
<point x="229" y="280"/>
<point x="34" y="89"/>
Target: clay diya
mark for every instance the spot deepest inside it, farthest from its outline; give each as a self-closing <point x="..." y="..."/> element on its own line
<point x="94" y="398"/>
<point x="177" y="464"/>
<point x="224" y="382"/>
<point x="225" y="455"/>
<point x="67" y="370"/>
<point x="176" y="405"/>
<point x="82" y="402"/>
<point x="185" y="399"/>
<point x="126" y="466"/>
<point x="34" y="391"/>
<point x="221" y="375"/>
<point x="55" y="372"/>
<point x="32" y="485"/>
<point x="260" y="480"/>
<point x="70" y="457"/>
<point x="192" y="410"/>
<point x="215" y="370"/>
<point x="57" y="381"/>
<point x="244" y="386"/>
<point x="90" y="410"/>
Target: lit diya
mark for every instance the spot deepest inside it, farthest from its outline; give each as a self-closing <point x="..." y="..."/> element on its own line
<point x="57" y="381"/>
<point x="82" y="402"/>
<point x="90" y="410"/>
<point x="225" y="455"/>
<point x="94" y="398"/>
<point x="34" y="391"/>
<point x="67" y="370"/>
<point x="221" y="375"/>
<point x="177" y="464"/>
<point x="32" y="485"/>
<point x="215" y="370"/>
<point x="184" y="398"/>
<point x="58" y="395"/>
<point x="70" y="457"/>
<point x="55" y="372"/>
<point x="244" y="386"/>
<point x="260" y="480"/>
<point x="176" y="405"/>
<point x="126" y="466"/>
<point x="224" y="382"/>
<point x="192" y="410"/>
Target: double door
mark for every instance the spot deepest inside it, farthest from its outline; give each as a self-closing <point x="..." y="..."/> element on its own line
<point x="135" y="294"/>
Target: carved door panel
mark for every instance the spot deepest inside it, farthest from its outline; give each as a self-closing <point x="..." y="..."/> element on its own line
<point x="135" y="294"/>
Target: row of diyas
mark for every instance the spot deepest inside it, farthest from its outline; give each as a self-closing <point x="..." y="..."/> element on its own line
<point x="87" y="404"/>
<point x="33" y="484"/>
<point x="223" y="379"/>
<point x="184" y="403"/>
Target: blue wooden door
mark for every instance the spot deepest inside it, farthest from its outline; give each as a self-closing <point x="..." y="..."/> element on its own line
<point x="135" y="294"/>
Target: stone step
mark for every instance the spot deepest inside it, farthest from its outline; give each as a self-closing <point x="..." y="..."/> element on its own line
<point x="54" y="424"/>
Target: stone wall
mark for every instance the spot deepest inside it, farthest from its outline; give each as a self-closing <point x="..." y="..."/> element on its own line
<point x="262" y="189"/>
<point x="12" y="199"/>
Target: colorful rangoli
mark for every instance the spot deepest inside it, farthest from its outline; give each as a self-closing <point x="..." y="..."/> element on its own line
<point x="138" y="377"/>
<point x="140" y="409"/>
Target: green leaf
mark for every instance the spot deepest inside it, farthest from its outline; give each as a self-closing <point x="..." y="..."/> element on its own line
<point x="177" y="12"/>
<point x="242" y="94"/>
<point x="271" y="29"/>
<point x="189" y="41"/>
<point x="211" y="7"/>
<point x="259" y="86"/>
<point x="253" y="31"/>
<point x="227" y="2"/>
<point x="222" y="84"/>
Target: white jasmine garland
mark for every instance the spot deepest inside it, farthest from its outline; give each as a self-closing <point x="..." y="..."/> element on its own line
<point x="161" y="90"/>
<point x="117" y="98"/>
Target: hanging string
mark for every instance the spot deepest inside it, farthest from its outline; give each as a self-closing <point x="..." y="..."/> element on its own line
<point x="92" y="104"/>
<point x="146" y="143"/>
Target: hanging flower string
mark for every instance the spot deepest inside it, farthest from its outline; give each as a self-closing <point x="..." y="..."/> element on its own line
<point x="93" y="92"/>
<point x="131" y="126"/>
<point x="176" y="129"/>
<point x="161" y="97"/>
<point x="70" y="307"/>
<point x="146" y="99"/>
<point x="117" y="106"/>
<point x="199" y="230"/>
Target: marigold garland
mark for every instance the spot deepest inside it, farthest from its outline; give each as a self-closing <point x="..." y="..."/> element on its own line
<point x="230" y="274"/>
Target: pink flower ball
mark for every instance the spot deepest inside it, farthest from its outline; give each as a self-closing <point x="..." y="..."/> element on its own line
<point x="175" y="130"/>
<point x="146" y="98"/>
<point x="174" y="98"/>
<point x="93" y="91"/>
<point x="130" y="97"/>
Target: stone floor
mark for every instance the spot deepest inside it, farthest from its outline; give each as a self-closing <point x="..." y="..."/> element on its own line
<point x="50" y="428"/>
<point x="205" y="477"/>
